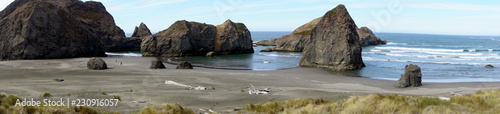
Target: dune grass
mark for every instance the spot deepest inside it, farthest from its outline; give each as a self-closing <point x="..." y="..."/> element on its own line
<point x="166" y="109"/>
<point x="487" y="101"/>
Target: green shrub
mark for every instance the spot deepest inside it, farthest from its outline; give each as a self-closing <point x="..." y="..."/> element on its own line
<point x="46" y="95"/>
<point x="117" y="97"/>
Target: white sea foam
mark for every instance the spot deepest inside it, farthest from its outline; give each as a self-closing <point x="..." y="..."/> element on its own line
<point x="130" y="54"/>
<point x="392" y="43"/>
<point x="282" y="55"/>
<point x="421" y="49"/>
<point x="431" y="62"/>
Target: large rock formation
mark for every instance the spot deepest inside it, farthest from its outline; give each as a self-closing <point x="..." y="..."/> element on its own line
<point x="48" y="29"/>
<point x="334" y="43"/>
<point x="96" y="64"/>
<point x="185" y="38"/>
<point x="294" y="41"/>
<point x="141" y="31"/>
<point x="411" y="77"/>
<point x="367" y="38"/>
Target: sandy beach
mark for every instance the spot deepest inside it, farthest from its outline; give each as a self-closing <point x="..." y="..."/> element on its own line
<point x="134" y="81"/>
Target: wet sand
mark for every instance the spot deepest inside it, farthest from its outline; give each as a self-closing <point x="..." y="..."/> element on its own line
<point x="31" y="78"/>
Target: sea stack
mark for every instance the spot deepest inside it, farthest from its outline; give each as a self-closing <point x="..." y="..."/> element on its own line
<point x="185" y="38"/>
<point x="334" y="43"/>
<point x="51" y="29"/>
<point x="367" y="38"/>
<point x="411" y="77"/>
<point x="294" y="42"/>
<point x="141" y="31"/>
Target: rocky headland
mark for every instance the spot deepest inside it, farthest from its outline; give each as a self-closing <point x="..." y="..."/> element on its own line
<point x="50" y="29"/>
<point x="185" y="38"/>
<point x="334" y="43"/>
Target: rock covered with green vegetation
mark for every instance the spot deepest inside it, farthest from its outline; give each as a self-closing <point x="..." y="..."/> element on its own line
<point x="185" y="38"/>
<point x="50" y="29"/>
<point x="334" y="43"/>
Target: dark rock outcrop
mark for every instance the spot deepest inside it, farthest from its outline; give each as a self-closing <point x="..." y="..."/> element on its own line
<point x="367" y="38"/>
<point x="121" y="44"/>
<point x="271" y="42"/>
<point x="334" y="43"/>
<point x="96" y="64"/>
<point x="489" y="66"/>
<point x="295" y="41"/>
<point x="411" y="77"/>
<point x="49" y="29"/>
<point x="266" y="50"/>
<point x="157" y="64"/>
<point x="141" y="31"/>
<point x="184" y="65"/>
<point x="185" y="38"/>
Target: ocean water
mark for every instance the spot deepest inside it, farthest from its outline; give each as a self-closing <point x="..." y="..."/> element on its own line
<point x="443" y="58"/>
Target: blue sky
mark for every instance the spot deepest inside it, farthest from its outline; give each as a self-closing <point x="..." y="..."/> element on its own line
<point x="457" y="17"/>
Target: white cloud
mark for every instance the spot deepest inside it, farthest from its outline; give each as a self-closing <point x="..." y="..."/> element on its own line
<point x="468" y="7"/>
<point x="4" y="3"/>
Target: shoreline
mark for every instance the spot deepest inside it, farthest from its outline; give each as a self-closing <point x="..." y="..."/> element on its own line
<point x="31" y="78"/>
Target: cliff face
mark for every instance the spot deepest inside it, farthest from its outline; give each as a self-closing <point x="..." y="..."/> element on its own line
<point x="185" y="38"/>
<point x="334" y="43"/>
<point x="48" y="29"/>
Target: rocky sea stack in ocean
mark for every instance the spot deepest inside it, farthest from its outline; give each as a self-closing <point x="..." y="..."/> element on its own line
<point x="367" y="38"/>
<point x="185" y="38"/>
<point x="411" y="77"/>
<point x="141" y="31"/>
<point x="334" y="43"/>
<point x="294" y="42"/>
<point x="49" y="29"/>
